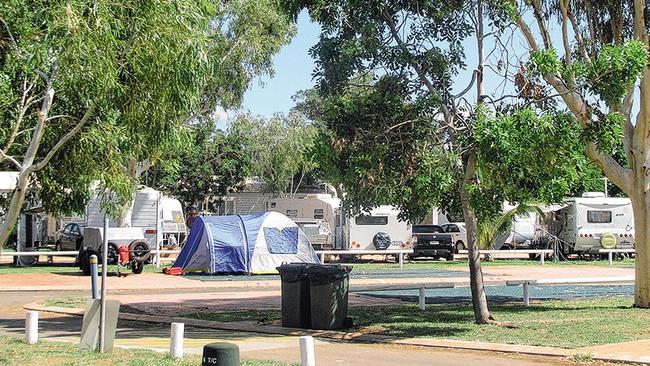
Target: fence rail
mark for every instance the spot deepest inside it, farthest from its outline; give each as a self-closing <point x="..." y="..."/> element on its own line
<point x="610" y="253"/>
<point x="399" y="252"/>
<point x="542" y="252"/>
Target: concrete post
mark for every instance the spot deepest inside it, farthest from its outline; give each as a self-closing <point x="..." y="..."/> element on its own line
<point x="307" y="357"/>
<point x="31" y="327"/>
<point x="542" y="256"/>
<point x="526" y="296"/>
<point x="176" y="344"/>
<point x="422" y="303"/>
<point x="401" y="260"/>
<point x="610" y="257"/>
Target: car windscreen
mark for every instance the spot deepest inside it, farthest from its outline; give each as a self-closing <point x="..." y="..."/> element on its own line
<point x="419" y="229"/>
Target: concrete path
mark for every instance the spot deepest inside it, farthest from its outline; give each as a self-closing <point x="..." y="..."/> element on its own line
<point x="281" y="348"/>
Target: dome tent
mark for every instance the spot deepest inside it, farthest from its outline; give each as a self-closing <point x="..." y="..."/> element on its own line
<point x="251" y="244"/>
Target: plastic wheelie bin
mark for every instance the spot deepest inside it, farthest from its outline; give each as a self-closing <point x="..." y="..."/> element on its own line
<point x="328" y="289"/>
<point x="295" y="295"/>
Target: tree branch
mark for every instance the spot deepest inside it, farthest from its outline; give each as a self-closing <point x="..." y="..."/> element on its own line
<point x="13" y="161"/>
<point x="65" y="138"/>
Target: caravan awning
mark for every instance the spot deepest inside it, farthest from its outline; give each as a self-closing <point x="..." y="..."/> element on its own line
<point x="8" y="181"/>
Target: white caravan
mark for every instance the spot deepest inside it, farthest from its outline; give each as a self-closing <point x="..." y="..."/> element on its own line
<point x="379" y="229"/>
<point x="376" y="230"/>
<point x="594" y="222"/>
<point x="319" y="215"/>
<point x="149" y="206"/>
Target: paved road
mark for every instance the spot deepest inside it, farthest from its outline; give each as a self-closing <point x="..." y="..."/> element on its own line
<point x="280" y="348"/>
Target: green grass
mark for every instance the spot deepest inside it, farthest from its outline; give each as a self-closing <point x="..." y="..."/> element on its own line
<point x="248" y="315"/>
<point x="374" y="266"/>
<point x="567" y="324"/>
<point x="462" y="264"/>
<point x="67" y="268"/>
<point x="67" y="302"/>
<point x="14" y="352"/>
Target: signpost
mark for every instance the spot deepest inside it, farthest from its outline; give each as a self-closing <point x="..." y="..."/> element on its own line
<point x="102" y="307"/>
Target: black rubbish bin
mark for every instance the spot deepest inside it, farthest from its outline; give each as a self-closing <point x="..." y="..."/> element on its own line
<point x="328" y="288"/>
<point x="295" y="295"/>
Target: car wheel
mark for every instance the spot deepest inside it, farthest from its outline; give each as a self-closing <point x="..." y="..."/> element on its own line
<point x="449" y="258"/>
<point x="113" y="256"/>
<point x="137" y="267"/>
<point x="139" y="251"/>
<point x="459" y="246"/>
<point x="84" y="261"/>
<point x="57" y="246"/>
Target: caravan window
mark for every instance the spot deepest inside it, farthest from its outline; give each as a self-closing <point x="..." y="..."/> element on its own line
<point x="599" y="217"/>
<point x="371" y="220"/>
<point x="318" y="213"/>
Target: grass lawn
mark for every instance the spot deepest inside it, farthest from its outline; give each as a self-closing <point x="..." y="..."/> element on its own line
<point x="462" y="263"/>
<point x="14" y="352"/>
<point x="567" y="324"/>
<point x="358" y="267"/>
<point x="67" y="268"/>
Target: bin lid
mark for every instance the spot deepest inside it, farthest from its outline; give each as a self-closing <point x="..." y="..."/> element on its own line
<point x="321" y="274"/>
<point x="292" y="272"/>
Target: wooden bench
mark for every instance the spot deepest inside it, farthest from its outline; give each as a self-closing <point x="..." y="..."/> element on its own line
<point x="421" y="287"/>
<point x="399" y="252"/>
<point x="566" y="281"/>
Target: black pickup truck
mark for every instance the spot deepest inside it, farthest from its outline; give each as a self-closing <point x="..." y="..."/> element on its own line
<point x="431" y="241"/>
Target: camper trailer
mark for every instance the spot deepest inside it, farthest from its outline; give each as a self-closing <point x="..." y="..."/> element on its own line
<point x="319" y="216"/>
<point x="377" y="230"/>
<point x="594" y="222"/>
<point x="149" y="206"/>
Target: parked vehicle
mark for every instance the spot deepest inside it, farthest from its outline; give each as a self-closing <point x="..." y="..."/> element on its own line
<point x="70" y="237"/>
<point x="126" y="247"/>
<point x="318" y="233"/>
<point x="379" y="229"/>
<point x="149" y="207"/>
<point x="458" y="235"/>
<point x="431" y="241"/>
<point x="592" y="222"/>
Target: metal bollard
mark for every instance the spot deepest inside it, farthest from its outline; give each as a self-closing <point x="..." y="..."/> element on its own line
<point x="307" y="357"/>
<point x="220" y="354"/>
<point x="31" y="327"/>
<point x="94" y="277"/>
<point x="176" y="344"/>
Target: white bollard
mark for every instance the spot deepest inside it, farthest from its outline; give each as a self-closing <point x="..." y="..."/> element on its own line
<point x="526" y="295"/>
<point x="611" y="258"/>
<point x="307" y="357"/>
<point x="31" y="327"/>
<point x="542" y="257"/>
<point x="422" y="299"/>
<point x="176" y="345"/>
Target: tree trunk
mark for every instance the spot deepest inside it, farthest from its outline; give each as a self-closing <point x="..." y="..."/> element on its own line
<point x="477" y="287"/>
<point x="641" y="205"/>
<point x="15" y="206"/>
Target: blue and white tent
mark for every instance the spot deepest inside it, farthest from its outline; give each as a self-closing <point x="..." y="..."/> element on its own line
<point x="250" y="244"/>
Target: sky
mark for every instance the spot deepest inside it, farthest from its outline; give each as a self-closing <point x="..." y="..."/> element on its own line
<point x="293" y="69"/>
<point x="294" y="66"/>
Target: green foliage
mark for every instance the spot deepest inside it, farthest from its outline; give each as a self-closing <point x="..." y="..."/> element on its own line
<point x="382" y="150"/>
<point x="146" y="72"/>
<point x="212" y="165"/>
<point x="279" y="149"/>
<point x="615" y="70"/>
<point x="545" y="61"/>
<point x="606" y="132"/>
<point x="529" y="157"/>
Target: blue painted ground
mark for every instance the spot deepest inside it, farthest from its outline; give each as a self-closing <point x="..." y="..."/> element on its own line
<point x="509" y="293"/>
<point x="353" y="274"/>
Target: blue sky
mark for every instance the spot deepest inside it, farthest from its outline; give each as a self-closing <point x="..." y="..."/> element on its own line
<point x="293" y="68"/>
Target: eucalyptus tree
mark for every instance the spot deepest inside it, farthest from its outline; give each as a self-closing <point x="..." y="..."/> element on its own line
<point x="278" y="148"/>
<point x="592" y="56"/>
<point x="416" y="48"/>
<point x="90" y="89"/>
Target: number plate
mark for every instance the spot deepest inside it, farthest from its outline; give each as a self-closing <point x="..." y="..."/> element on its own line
<point x="434" y="242"/>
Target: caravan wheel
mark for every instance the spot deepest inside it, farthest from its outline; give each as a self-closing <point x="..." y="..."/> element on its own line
<point x="140" y="251"/>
